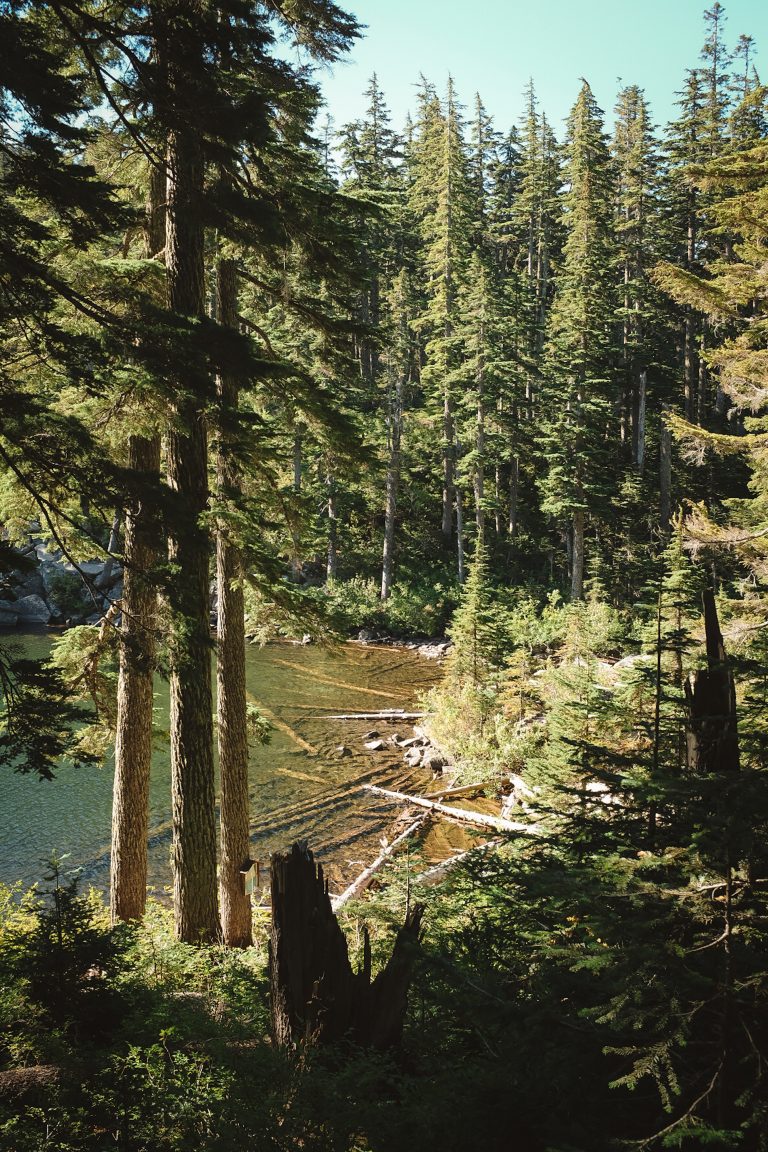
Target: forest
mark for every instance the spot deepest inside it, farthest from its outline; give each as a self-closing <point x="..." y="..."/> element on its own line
<point x="263" y="377"/>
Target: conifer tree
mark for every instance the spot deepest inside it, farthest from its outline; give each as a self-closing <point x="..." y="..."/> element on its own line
<point x="581" y="400"/>
<point x="636" y="210"/>
<point x="441" y="202"/>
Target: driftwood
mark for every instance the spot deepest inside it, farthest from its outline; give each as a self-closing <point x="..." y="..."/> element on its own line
<point x="461" y="814"/>
<point x="315" y="996"/>
<point x="363" y="880"/>
<point x="712" y="737"/>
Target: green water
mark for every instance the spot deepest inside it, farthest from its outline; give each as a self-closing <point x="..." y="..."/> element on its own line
<point x="301" y="786"/>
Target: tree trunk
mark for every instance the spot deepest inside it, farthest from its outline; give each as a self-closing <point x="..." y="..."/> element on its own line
<point x="514" y="489"/>
<point x="460" y="546"/>
<point x="133" y="737"/>
<point x="104" y="579"/>
<point x="315" y="995"/>
<point x="332" y="561"/>
<point x="690" y="367"/>
<point x="665" y="472"/>
<point x="297" y="470"/>
<point x="393" y="483"/>
<point x="713" y="743"/>
<point x="479" y="477"/>
<point x="191" y="721"/>
<point x="639" y="429"/>
<point x="449" y="467"/>
<point x="577" y="562"/>
<point x="230" y="665"/>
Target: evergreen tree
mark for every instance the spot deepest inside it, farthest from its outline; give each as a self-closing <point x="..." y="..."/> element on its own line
<point x="441" y="202"/>
<point x="580" y="403"/>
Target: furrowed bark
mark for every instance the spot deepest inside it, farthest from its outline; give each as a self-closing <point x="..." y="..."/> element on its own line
<point x="192" y="773"/>
<point x="230" y="664"/>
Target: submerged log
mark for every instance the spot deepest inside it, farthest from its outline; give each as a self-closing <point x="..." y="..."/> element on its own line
<point x="361" y="882"/>
<point x="315" y="995"/>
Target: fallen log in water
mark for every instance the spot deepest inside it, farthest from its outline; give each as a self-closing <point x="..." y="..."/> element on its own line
<point x="288" y="814"/>
<point x="462" y="814"/>
<point x="386" y="714"/>
<point x="339" y="683"/>
<point x="363" y="880"/>
<point x="281" y="725"/>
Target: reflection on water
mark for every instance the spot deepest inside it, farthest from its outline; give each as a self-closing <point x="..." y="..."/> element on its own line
<point x="302" y="786"/>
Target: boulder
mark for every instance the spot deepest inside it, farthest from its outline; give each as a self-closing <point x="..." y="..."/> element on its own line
<point x="414" y="742"/>
<point x="372" y="735"/>
<point x="434" y="761"/>
<point x="413" y="757"/>
<point x="375" y="745"/>
<point x="8" y="618"/>
<point x="32" y="610"/>
<point x="30" y="584"/>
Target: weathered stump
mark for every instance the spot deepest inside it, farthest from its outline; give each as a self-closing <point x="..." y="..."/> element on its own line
<point x="712" y="737"/>
<point x="315" y="995"/>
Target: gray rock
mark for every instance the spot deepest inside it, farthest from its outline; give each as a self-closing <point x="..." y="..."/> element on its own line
<point x="343" y="751"/>
<point x="365" y="635"/>
<point x="413" y="757"/>
<point x="92" y="568"/>
<point x="46" y="557"/>
<point x="30" y="584"/>
<point x="32" y="610"/>
<point x="372" y="735"/>
<point x="375" y="745"/>
<point x="434" y="761"/>
<point x="8" y="619"/>
<point x="414" y="742"/>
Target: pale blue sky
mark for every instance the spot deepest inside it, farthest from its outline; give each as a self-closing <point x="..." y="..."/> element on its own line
<point x="494" y="46"/>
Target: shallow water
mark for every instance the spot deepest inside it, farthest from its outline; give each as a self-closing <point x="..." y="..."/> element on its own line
<point x="301" y="786"/>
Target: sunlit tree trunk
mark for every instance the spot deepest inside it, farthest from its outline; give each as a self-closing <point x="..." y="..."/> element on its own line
<point x="133" y="736"/>
<point x="191" y="720"/>
<point x="230" y="664"/>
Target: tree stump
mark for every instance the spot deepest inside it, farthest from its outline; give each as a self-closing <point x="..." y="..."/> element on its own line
<point x="315" y="995"/>
<point x="712" y="737"/>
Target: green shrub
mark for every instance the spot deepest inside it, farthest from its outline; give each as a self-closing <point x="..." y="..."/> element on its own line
<point x="65" y="589"/>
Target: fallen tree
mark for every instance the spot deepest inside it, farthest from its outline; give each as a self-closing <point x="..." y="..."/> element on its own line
<point x="461" y="814"/>
<point x="363" y="880"/>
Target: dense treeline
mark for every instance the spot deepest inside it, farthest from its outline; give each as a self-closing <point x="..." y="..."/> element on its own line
<point x="455" y="371"/>
<point x="530" y="361"/>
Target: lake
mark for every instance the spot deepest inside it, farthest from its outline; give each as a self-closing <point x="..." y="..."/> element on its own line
<point x="302" y="786"/>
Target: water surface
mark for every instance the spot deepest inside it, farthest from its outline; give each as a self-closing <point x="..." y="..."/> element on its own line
<point x="302" y="786"/>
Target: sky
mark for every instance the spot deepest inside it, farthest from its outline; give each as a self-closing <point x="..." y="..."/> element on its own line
<point x="494" y="46"/>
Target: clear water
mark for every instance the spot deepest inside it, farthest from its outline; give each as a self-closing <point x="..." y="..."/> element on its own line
<point x="302" y="787"/>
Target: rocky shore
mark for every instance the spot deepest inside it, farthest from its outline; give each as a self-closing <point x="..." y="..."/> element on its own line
<point x="45" y="589"/>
